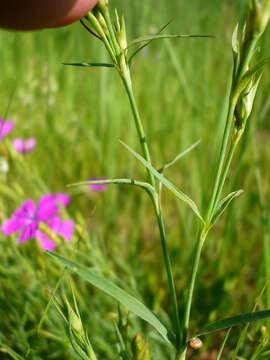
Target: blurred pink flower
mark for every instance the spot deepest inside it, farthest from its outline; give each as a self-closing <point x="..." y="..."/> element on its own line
<point x="24" y="146"/>
<point x="5" y="128"/>
<point x="98" y="187"/>
<point x="28" y="216"/>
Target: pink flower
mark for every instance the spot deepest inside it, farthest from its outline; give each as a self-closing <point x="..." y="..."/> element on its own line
<point x="5" y="128"/>
<point x="28" y="216"/>
<point x="24" y="146"/>
<point x="98" y="187"/>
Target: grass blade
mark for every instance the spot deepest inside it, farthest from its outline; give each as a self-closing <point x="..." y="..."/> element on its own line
<point x="131" y="303"/>
<point x="170" y="186"/>
<point x="148" y="38"/>
<point x="136" y="52"/>
<point x="179" y="156"/>
<point x="238" y="320"/>
<point x="223" y="344"/>
<point x="93" y="65"/>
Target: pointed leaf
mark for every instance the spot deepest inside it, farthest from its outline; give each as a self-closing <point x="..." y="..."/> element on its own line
<point x="179" y="156"/>
<point x="148" y="43"/>
<point x="238" y="320"/>
<point x="146" y="186"/>
<point x="131" y="303"/>
<point x="178" y="193"/>
<point x="223" y="204"/>
<point x="90" y="65"/>
<point x="147" y="38"/>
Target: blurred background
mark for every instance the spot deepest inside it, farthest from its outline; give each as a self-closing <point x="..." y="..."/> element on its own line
<point x="77" y="116"/>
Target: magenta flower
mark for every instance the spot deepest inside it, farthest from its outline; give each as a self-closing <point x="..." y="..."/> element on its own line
<point x="5" y="128"/>
<point x="98" y="187"/>
<point x="24" y="146"/>
<point x="28" y="216"/>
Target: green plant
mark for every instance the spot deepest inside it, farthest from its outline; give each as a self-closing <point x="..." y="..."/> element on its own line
<point x="244" y="84"/>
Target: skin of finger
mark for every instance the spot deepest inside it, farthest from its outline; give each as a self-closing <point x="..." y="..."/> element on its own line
<point x="38" y="14"/>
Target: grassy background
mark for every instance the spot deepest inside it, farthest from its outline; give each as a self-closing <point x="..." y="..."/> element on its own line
<point x="77" y="117"/>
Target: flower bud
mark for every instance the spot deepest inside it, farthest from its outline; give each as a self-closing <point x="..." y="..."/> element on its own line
<point x="121" y="36"/>
<point x="140" y="348"/>
<point x="259" y="16"/>
<point x="245" y="104"/>
<point x="102" y="22"/>
<point x="103" y="4"/>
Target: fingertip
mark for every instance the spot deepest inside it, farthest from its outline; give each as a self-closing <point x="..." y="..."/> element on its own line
<point x="77" y="12"/>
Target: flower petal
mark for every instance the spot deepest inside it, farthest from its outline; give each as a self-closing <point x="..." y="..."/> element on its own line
<point x="28" y="232"/>
<point x="26" y="210"/>
<point x="98" y="187"/>
<point x="62" y="198"/>
<point x="12" y="226"/>
<point x="47" y="208"/>
<point x="6" y="128"/>
<point x="63" y="228"/>
<point x="46" y="243"/>
<point x="29" y="145"/>
<point x="18" y="145"/>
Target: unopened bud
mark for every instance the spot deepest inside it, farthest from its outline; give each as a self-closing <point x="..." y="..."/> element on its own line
<point x="122" y="36"/>
<point x="259" y="16"/>
<point x="102" y="22"/>
<point x="245" y="104"/>
<point x="195" y="343"/>
<point x="103" y="4"/>
<point x="140" y="348"/>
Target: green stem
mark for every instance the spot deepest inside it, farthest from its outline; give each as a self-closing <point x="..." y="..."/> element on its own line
<point x="138" y="123"/>
<point x="227" y="165"/>
<point x="222" y="155"/>
<point x="168" y="271"/>
<point x="146" y="154"/>
<point x="198" y="249"/>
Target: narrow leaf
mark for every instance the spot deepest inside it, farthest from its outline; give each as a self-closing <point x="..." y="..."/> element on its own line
<point x="233" y="321"/>
<point x="178" y="193"/>
<point x="146" y="186"/>
<point x="179" y="156"/>
<point x="90" y="65"/>
<point x="131" y="303"/>
<point x="136" y="52"/>
<point x="158" y="37"/>
<point x="223" y="204"/>
<point x="223" y="344"/>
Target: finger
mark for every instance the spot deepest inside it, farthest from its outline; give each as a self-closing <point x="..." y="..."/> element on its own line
<point x="38" y="14"/>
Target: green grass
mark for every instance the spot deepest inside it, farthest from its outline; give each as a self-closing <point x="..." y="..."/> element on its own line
<point x="78" y="116"/>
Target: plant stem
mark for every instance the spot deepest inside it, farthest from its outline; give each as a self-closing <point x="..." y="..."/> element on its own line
<point x="224" y="163"/>
<point x="221" y="159"/>
<point x="169" y="271"/>
<point x="198" y="249"/>
<point x="146" y="154"/>
<point x="138" y="123"/>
